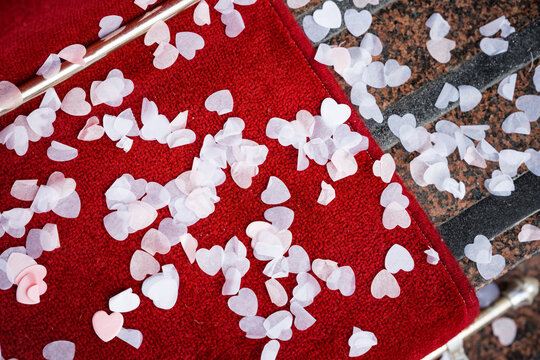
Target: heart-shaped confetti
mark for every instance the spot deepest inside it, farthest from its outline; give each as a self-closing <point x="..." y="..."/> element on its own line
<point x="188" y="43"/>
<point x="50" y="67"/>
<point x="221" y="102"/>
<point x="432" y="256"/>
<point x="529" y="233"/>
<point x="361" y="342"/>
<point x="313" y="31"/>
<point x="201" y="15"/>
<point x="162" y="288"/>
<point x="142" y="264"/>
<point x="385" y="284"/>
<point x="384" y="168"/>
<point x="303" y="320"/>
<point x="480" y="250"/>
<point x="342" y="279"/>
<point x="10" y="95"/>
<point x="328" y="16"/>
<point x="108" y="24"/>
<point x="61" y="152"/>
<point x="125" y="301"/>
<point x="357" y="22"/>
<point x="449" y="93"/>
<point x="158" y="33"/>
<point x="278" y="323"/>
<point x="296" y="4"/>
<point x="74" y="103"/>
<point x="394" y="74"/>
<point x="492" y="269"/>
<point x="323" y="268"/>
<point x="59" y="350"/>
<point x="392" y="193"/>
<point x="469" y="97"/>
<point x="395" y="215"/>
<point x="280" y="217"/>
<point x="40" y="121"/>
<point x="131" y="336"/>
<point x="441" y="49"/>
<point x="91" y="130"/>
<point x="253" y="327"/>
<point x="505" y="330"/>
<point x="488" y="294"/>
<point x="24" y="190"/>
<point x="507" y="86"/>
<point x="334" y="114"/>
<point x="398" y="258"/>
<point x="165" y="55"/>
<point x="245" y="303"/>
<point x="154" y="242"/>
<point x="234" y="24"/>
<point x="276" y="192"/>
<point x="107" y="326"/>
<point x="210" y="261"/>
<point x="298" y="260"/>
<point x="74" y="54"/>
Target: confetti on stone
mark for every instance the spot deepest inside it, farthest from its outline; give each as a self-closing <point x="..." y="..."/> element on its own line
<point x="536" y="78"/>
<point x="73" y="53"/>
<point x="499" y="184"/>
<point x="357" y="22"/>
<point x="516" y="123"/>
<point x="441" y="49"/>
<point x="492" y="269"/>
<point x="395" y="74"/>
<point x="220" y="102"/>
<point x="276" y="192"/>
<point x="107" y="326"/>
<point x="530" y="105"/>
<point x="74" y="103"/>
<point x="361" y="342"/>
<point x="510" y="160"/>
<point x="480" y="251"/>
<point x="314" y="31"/>
<point x="529" y="233"/>
<point x="327" y="194"/>
<point x="507" y="86"/>
<point x="125" y="301"/>
<point x="494" y="26"/>
<point x="487" y="295"/>
<point x="385" y="284"/>
<point x="108" y="24"/>
<point x="61" y="152"/>
<point x="493" y="46"/>
<point x="432" y="256"/>
<point x="505" y="330"/>
<point x="162" y="288"/>
<point x="328" y="15"/>
<point x="50" y="67"/>
<point x="131" y="336"/>
<point x="449" y="93"/>
<point x="438" y="26"/>
<point x="296" y="4"/>
<point x="469" y="97"/>
<point x="244" y="304"/>
<point x="398" y="258"/>
<point x="59" y="350"/>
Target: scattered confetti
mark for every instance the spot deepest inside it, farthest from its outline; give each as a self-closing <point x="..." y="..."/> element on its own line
<point x="488" y="294"/>
<point x="270" y="350"/>
<point x="108" y="24"/>
<point x="505" y="330"/>
<point x="357" y="22"/>
<point x="398" y="258"/>
<point x="61" y="152"/>
<point x="361" y="342"/>
<point x="125" y="301"/>
<point x="107" y="326"/>
<point x="276" y="192"/>
<point x="50" y="67"/>
<point x="74" y="54"/>
<point x="244" y="304"/>
<point x="220" y="102"/>
<point x="328" y="15"/>
<point x="529" y="233"/>
<point x="432" y="256"/>
<point x="342" y="279"/>
<point x="507" y="86"/>
<point x="74" y="103"/>
<point x="384" y="284"/>
<point x="327" y="194"/>
<point x="162" y="288"/>
<point x="188" y="43"/>
<point x="59" y="350"/>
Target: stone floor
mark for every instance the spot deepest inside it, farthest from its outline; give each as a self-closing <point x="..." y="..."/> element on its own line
<point x="401" y="27"/>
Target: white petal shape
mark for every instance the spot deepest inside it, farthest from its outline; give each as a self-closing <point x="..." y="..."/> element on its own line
<point x="384" y="168"/>
<point x="493" y="46"/>
<point x="398" y="258"/>
<point x="253" y="326"/>
<point x="500" y="184"/>
<point x="492" y="269"/>
<point x="517" y="123"/>
<point x="395" y="215"/>
<point x="201" y="15"/>
<point x="505" y="329"/>
<point x="188" y="43"/>
<point x="270" y="350"/>
<point x="125" y="301"/>
<point x="432" y="256"/>
<point x="50" y="67"/>
<point x="244" y="304"/>
<point x="529" y="233"/>
<point x="492" y="27"/>
<point x="131" y="336"/>
<point x="449" y="93"/>
<point x="108" y="24"/>
<point x="233" y="278"/>
<point x="395" y="74"/>
<point x="24" y="190"/>
<point x="533" y="163"/>
<point x="328" y="16"/>
<point x="74" y="103"/>
<point x="439" y="27"/>
<point x="165" y="56"/>
<point x="372" y="44"/>
<point x="162" y="288"/>
<point x="278" y="323"/>
<point x="480" y="251"/>
<point x="384" y="284"/>
<point x="51" y="100"/>
<point x="327" y="194"/>
<point x="61" y="152"/>
<point x="276" y="292"/>
<point x="357" y="22"/>
<point x="276" y="192"/>
<point x="441" y="49"/>
<point x="342" y="279"/>
<point x="373" y="75"/>
<point x="40" y="121"/>
<point x="323" y="268"/>
<point x="280" y="217"/>
<point x="220" y="102"/>
<point x="361" y="342"/>
<point x="510" y="160"/>
<point x="59" y="350"/>
<point x="210" y="261"/>
<point x="313" y="31"/>
<point x="507" y="86"/>
<point x="302" y="319"/>
<point x="530" y="105"/>
<point x="158" y="33"/>
<point x="234" y="24"/>
<point x="469" y="97"/>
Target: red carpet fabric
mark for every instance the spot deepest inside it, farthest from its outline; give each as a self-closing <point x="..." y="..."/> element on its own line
<point x="270" y="72"/>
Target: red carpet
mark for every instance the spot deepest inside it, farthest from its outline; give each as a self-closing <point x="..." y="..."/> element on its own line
<point x="270" y="72"/>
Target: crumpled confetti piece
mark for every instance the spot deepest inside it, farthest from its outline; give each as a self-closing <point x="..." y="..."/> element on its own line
<point x="162" y="288"/>
<point x="131" y="336"/>
<point x="92" y="130"/>
<point x="327" y="194"/>
<point x="73" y="53"/>
<point x="361" y="342"/>
<point x="50" y="67"/>
<point x="529" y="233"/>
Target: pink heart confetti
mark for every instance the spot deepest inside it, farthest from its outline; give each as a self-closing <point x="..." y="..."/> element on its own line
<point x="107" y="326"/>
<point x="323" y="268"/>
<point x="384" y="284"/>
<point x="189" y="244"/>
<point x="16" y="263"/>
<point x="384" y="168"/>
<point x="142" y="264"/>
<point x="155" y="242"/>
<point x="74" y="54"/>
<point x="91" y="130"/>
<point x="492" y="269"/>
<point x="440" y="49"/>
<point x="357" y="22"/>
<point x="74" y="103"/>
<point x="334" y="114"/>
